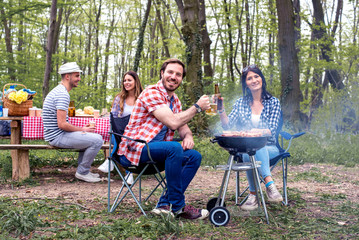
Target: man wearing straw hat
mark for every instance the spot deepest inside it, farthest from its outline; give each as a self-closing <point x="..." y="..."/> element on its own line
<point x="60" y="133"/>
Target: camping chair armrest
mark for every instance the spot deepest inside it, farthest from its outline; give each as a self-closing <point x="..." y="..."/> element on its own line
<point x="123" y="136"/>
<point x="298" y="134"/>
<point x="136" y="140"/>
<point x="290" y="137"/>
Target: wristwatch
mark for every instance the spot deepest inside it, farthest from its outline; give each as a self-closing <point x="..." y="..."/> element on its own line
<point x="199" y="109"/>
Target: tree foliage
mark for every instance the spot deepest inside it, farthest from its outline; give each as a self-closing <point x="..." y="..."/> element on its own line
<point x="102" y="37"/>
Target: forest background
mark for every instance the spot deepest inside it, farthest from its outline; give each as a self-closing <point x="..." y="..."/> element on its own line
<point x="307" y="50"/>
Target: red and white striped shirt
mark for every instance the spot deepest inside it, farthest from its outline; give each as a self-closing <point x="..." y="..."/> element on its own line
<point x="143" y="124"/>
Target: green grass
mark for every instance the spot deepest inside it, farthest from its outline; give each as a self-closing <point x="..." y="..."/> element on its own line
<point x="331" y="216"/>
<point x="52" y="219"/>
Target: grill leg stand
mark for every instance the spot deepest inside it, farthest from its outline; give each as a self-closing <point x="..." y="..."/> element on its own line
<point x="258" y="186"/>
<point x="225" y="181"/>
<point x="237" y="187"/>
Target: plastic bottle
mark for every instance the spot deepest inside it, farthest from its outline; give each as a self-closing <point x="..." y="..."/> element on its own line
<point x="1" y="106"/>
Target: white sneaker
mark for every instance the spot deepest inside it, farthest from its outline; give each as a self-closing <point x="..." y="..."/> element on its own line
<point x="104" y="166"/>
<point x="87" y="178"/>
<point x="251" y="203"/>
<point x="96" y="175"/>
<point x="273" y="194"/>
<point x="129" y="178"/>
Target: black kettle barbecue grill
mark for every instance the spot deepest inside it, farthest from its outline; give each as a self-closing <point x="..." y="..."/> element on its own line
<point x="219" y="215"/>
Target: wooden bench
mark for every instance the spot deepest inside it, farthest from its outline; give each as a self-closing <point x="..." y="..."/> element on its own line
<point x="21" y="168"/>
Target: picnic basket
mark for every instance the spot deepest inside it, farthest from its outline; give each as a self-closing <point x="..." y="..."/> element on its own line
<point x="16" y="109"/>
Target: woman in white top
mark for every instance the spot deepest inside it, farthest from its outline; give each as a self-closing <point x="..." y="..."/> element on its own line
<point x="123" y="104"/>
<point x="256" y="109"/>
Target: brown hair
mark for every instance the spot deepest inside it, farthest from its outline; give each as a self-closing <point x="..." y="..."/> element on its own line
<point x="173" y="60"/>
<point x="124" y="93"/>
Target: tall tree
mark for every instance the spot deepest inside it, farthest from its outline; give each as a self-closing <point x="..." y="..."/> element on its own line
<point x="208" y="71"/>
<point x="49" y="47"/>
<point x="230" y="40"/>
<point x="141" y="36"/>
<point x="327" y="40"/>
<point x="97" y="44"/>
<point x="191" y="31"/>
<point x="162" y="31"/>
<point x="291" y="94"/>
<point x="6" y="21"/>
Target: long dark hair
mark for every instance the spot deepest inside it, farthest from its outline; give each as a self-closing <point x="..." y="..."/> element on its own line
<point x="124" y="93"/>
<point x="247" y="94"/>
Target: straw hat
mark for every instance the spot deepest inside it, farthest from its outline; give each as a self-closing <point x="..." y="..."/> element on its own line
<point x="69" y="68"/>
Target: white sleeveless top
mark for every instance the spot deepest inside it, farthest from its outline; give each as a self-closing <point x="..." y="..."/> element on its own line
<point x="127" y="110"/>
<point x="255" y="120"/>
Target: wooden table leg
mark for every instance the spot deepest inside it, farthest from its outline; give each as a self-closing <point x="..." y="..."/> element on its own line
<point x="20" y="158"/>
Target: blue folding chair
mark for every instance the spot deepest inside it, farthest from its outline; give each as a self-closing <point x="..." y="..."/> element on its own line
<point x="149" y="168"/>
<point x="283" y="157"/>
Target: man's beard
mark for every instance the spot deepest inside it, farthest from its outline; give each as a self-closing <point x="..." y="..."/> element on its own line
<point x="168" y="89"/>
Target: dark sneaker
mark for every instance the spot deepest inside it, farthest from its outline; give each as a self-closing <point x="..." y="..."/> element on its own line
<point x="162" y="210"/>
<point x="190" y="212"/>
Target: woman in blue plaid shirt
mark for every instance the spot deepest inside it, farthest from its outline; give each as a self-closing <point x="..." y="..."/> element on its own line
<point x="256" y="109"/>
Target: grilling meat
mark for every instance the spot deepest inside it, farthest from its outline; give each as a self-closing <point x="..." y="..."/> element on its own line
<point x="255" y="132"/>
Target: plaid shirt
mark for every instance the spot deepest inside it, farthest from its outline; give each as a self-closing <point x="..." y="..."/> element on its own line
<point x="240" y="116"/>
<point x="143" y="124"/>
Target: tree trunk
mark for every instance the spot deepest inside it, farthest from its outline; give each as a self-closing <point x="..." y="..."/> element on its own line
<point x="162" y="31"/>
<point x="105" y="71"/>
<point x="332" y="75"/>
<point x="208" y="71"/>
<point x="97" y="46"/>
<point x="9" y="50"/>
<point x="141" y="36"/>
<point x="57" y="30"/>
<point x="191" y="32"/>
<point x="230" y="39"/>
<point x="239" y="36"/>
<point x="49" y="47"/>
<point x="271" y="40"/>
<point x="153" y="46"/>
<point x="291" y="95"/>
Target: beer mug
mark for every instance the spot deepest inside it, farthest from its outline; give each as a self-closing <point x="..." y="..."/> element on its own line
<point x="213" y="102"/>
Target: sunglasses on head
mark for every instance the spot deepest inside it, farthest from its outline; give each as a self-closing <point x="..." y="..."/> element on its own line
<point x="252" y="66"/>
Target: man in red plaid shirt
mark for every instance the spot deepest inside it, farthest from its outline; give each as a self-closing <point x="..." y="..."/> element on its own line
<point x="155" y="117"/>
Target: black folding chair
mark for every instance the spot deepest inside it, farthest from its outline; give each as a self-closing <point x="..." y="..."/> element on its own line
<point x="283" y="157"/>
<point x="118" y="126"/>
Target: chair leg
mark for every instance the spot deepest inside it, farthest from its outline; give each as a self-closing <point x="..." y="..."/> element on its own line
<point x="285" y="175"/>
<point x="129" y="190"/>
<point x="161" y="182"/>
<point x="109" y="188"/>
<point x="139" y="190"/>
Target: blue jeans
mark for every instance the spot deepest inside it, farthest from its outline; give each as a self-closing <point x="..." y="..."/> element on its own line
<point x="263" y="155"/>
<point x="180" y="168"/>
<point x="89" y="143"/>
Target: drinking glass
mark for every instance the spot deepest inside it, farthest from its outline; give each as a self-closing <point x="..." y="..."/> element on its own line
<point x="213" y="109"/>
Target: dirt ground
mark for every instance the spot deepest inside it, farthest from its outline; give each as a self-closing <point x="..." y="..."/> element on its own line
<point x="60" y="183"/>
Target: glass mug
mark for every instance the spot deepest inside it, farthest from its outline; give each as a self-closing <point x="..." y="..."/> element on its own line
<point x="213" y="100"/>
<point x="92" y="124"/>
<point x="72" y="110"/>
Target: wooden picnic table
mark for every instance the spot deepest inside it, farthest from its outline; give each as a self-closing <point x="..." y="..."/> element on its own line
<point x="20" y="157"/>
<point x="33" y="129"/>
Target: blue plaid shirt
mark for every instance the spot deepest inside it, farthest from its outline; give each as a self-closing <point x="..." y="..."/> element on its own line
<point x="240" y="116"/>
